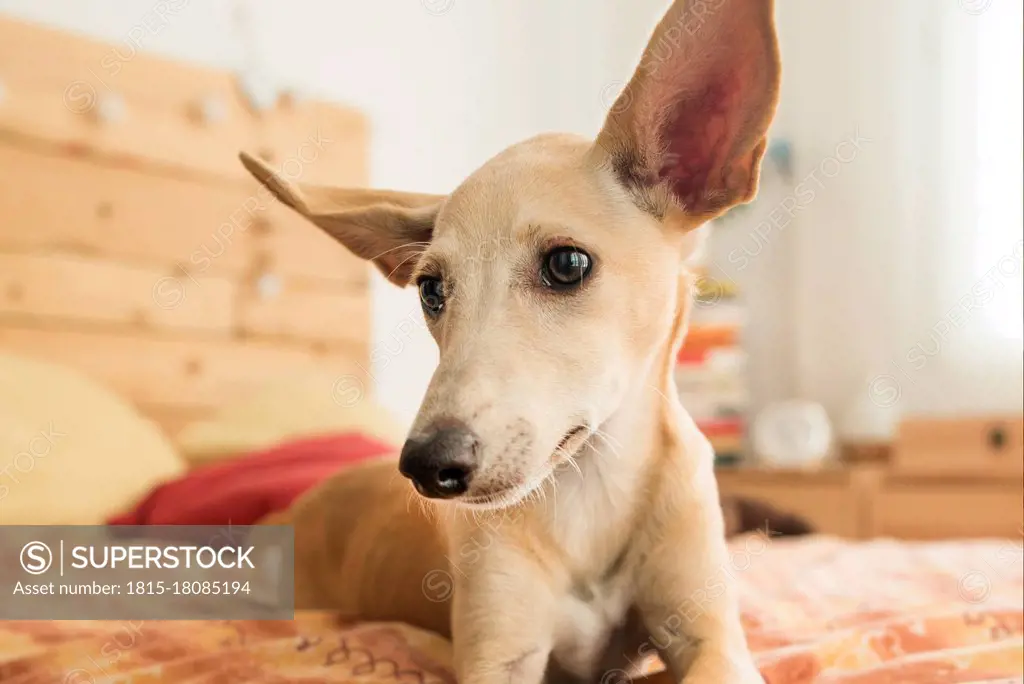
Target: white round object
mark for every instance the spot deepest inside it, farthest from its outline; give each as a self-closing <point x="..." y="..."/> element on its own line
<point x="111" y="108"/>
<point x="792" y="433"/>
<point x="213" y="109"/>
<point x="260" y="91"/>
<point x="269" y="286"/>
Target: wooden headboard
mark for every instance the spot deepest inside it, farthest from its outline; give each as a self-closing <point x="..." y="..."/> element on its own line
<point x="133" y="245"/>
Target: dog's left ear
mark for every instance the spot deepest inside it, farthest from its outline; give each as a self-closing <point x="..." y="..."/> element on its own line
<point x="389" y="228"/>
<point x="689" y="128"/>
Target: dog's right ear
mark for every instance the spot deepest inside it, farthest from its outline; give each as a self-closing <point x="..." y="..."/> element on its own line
<point x="689" y="128"/>
<point x="389" y="228"/>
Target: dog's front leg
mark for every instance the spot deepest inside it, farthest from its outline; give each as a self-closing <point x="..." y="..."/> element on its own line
<point x="686" y="590"/>
<point x="502" y="620"/>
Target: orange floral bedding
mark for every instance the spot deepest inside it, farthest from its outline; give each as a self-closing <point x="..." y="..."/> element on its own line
<point x="816" y="610"/>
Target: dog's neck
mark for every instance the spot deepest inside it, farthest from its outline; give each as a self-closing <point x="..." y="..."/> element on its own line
<point x="590" y="512"/>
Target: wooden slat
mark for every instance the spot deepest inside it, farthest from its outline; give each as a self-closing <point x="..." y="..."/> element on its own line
<point x="323" y="314"/>
<point x="57" y="85"/>
<point x="190" y="374"/>
<point x="49" y="202"/>
<point x="67" y="287"/>
<point x="146" y="134"/>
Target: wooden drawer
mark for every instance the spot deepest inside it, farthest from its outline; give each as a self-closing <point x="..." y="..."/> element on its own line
<point x="78" y="93"/>
<point x="971" y="447"/>
<point x="832" y="501"/>
<point x="922" y="510"/>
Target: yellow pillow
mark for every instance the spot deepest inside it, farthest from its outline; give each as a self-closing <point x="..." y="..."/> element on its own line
<point x="72" y="452"/>
<point x="302" y="406"/>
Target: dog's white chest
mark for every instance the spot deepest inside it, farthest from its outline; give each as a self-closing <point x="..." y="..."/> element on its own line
<point x="592" y="612"/>
<point x="588" y="617"/>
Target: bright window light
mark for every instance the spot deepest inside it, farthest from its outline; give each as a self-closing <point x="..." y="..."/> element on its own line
<point x="1000" y="118"/>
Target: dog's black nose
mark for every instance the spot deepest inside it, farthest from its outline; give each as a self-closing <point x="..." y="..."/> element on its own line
<point x="442" y="464"/>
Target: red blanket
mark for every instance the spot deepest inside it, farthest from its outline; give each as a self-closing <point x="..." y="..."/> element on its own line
<point x="244" y="490"/>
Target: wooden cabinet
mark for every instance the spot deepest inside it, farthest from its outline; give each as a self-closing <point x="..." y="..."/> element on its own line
<point x="947" y="479"/>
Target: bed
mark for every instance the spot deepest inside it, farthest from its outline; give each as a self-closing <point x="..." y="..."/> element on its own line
<point x="149" y="333"/>
<point x="817" y="609"/>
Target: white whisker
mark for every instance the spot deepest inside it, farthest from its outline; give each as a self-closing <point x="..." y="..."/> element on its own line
<point x="606" y="440"/>
<point x="402" y="246"/>
<point x="664" y="397"/>
<point x="402" y="262"/>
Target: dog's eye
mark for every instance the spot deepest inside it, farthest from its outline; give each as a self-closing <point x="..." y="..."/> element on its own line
<point x="431" y="295"/>
<point x="565" y="267"/>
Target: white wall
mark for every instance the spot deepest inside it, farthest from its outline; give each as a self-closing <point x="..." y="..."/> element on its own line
<point x="838" y="293"/>
<point x="885" y="252"/>
<point x="834" y="294"/>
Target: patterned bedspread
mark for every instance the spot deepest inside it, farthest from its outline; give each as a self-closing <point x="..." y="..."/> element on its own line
<point x="816" y="610"/>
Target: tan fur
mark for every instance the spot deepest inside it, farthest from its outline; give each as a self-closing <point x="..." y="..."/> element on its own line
<point x="565" y="562"/>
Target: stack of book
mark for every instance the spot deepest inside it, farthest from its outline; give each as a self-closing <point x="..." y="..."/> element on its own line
<point x="710" y="369"/>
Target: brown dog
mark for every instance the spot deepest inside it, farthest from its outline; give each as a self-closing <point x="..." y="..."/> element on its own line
<point x="581" y="526"/>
